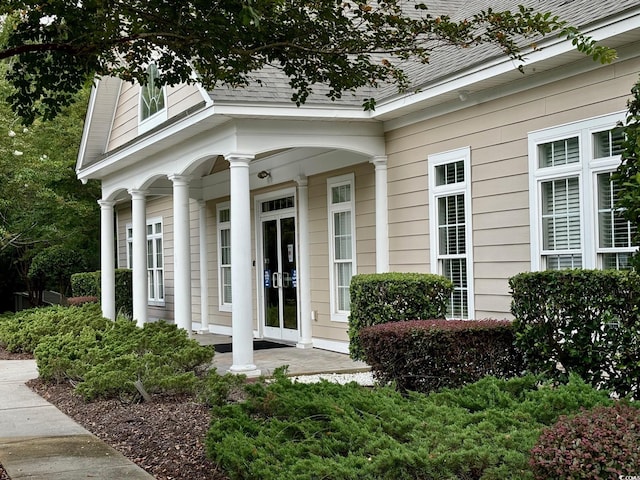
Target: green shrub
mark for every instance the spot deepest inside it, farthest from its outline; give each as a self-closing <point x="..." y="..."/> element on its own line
<point x="88" y="284"/>
<point x="580" y="321"/>
<point x="85" y="284"/>
<point x="425" y="355"/>
<point x="601" y="443"/>
<point x="286" y="430"/>
<point x="217" y="390"/>
<point x="107" y="362"/>
<point x="23" y="331"/>
<point x="391" y="297"/>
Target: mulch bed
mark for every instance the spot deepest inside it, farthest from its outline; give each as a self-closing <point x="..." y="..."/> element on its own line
<point x="164" y="436"/>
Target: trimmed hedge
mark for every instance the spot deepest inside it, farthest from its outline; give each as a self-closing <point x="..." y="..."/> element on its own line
<point x="390" y="297"/>
<point x="87" y="284"/>
<point x="596" y="444"/>
<point x="426" y="355"/>
<point x="580" y="321"/>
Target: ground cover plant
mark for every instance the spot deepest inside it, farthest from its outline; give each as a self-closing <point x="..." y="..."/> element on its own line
<point x="482" y="431"/>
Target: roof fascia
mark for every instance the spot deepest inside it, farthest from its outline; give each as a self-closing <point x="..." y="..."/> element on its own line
<point x="629" y="21"/>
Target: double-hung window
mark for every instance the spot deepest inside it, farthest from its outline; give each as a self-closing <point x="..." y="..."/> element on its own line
<point x="224" y="256"/>
<point x="450" y="226"/>
<point x="574" y="219"/>
<point x="342" y="242"/>
<point x="155" y="259"/>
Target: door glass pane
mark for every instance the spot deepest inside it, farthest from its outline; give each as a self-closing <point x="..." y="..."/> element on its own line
<point x="270" y="273"/>
<point x="289" y="273"/>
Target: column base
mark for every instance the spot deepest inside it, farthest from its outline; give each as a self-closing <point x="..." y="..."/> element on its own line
<point x="304" y="345"/>
<point x="249" y="370"/>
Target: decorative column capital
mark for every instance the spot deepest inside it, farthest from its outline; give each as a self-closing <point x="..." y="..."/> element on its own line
<point x="106" y="204"/>
<point x="302" y="180"/>
<point x="180" y="180"/>
<point x="239" y="159"/>
<point x="137" y="194"/>
<point x="379" y="161"/>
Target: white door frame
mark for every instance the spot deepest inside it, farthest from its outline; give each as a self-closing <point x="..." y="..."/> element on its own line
<point x="268" y="332"/>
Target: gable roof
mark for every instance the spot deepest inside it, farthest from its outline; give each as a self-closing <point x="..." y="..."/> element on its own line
<point x="436" y="88"/>
<point x="272" y="86"/>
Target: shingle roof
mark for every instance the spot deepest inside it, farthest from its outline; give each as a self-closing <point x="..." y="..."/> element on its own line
<point x="444" y="61"/>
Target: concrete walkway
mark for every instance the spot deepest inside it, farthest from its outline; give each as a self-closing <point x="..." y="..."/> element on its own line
<point x="38" y="442"/>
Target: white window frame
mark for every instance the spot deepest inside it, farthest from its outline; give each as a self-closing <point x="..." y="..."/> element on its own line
<point x="439" y="191"/>
<point x="220" y="226"/>
<point x="146" y="124"/>
<point x="153" y="297"/>
<point x="586" y="170"/>
<point x="338" y="315"/>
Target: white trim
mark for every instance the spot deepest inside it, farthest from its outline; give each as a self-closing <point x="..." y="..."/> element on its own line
<point x="220" y="329"/>
<point x="585" y="170"/>
<point x="222" y="306"/>
<point x="347" y="179"/>
<point x="331" y="345"/>
<point x="259" y="218"/>
<point x="439" y="191"/>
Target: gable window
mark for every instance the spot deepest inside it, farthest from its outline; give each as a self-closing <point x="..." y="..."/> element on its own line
<point x="450" y="226"/>
<point x="224" y="256"/>
<point x="152" y="101"/>
<point x="155" y="259"/>
<point x="342" y="243"/>
<point x="575" y="222"/>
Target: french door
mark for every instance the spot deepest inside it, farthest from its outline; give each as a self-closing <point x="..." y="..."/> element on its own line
<point x="279" y="277"/>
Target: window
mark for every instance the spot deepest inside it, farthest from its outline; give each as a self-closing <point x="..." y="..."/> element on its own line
<point x="342" y="242"/>
<point x="224" y="256"/>
<point x="152" y="101"/>
<point x="155" y="259"/>
<point x="450" y="226"/>
<point x="575" y="223"/>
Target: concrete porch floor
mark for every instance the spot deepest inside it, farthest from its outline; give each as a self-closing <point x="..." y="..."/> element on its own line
<point x="300" y="361"/>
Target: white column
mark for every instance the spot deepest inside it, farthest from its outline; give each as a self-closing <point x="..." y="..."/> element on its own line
<point x="241" y="281"/>
<point x="304" y="277"/>
<point x="181" y="252"/>
<point x="139" y="244"/>
<point x="204" y="270"/>
<point x="107" y="260"/>
<point x="382" y="215"/>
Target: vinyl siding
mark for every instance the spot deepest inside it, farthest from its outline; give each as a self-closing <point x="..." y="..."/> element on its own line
<point x="125" y="121"/>
<point x="364" y="174"/>
<point x="497" y="132"/>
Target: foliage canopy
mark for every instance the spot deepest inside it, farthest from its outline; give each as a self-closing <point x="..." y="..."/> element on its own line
<point x="57" y="46"/>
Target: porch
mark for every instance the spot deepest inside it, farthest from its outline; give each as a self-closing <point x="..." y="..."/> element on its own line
<point x="301" y="361"/>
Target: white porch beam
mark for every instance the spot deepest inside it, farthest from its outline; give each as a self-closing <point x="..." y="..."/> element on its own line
<point x="304" y="277"/>
<point x="241" y="273"/>
<point x="107" y="260"/>
<point x="204" y="270"/>
<point x="382" y="215"/>
<point x="181" y="251"/>
<point x="139" y="244"/>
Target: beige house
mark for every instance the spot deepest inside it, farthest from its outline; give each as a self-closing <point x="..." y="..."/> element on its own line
<point x="242" y="214"/>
